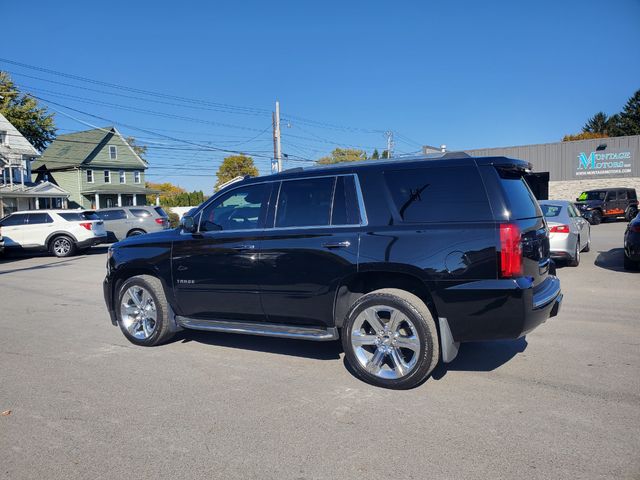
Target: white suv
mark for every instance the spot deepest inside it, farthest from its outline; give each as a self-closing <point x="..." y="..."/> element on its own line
<point x="61" y="232"/>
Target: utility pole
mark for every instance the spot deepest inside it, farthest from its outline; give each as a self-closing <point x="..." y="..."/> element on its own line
<point x="276" y="164"/>
<point x="389" y="135"/>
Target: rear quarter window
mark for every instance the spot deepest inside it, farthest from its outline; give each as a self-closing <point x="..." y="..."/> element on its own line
<point x="442" y="194"/>
<point x="161" y="212"/>
<point x="138" y="212"/>
<point x="522" y="203"/>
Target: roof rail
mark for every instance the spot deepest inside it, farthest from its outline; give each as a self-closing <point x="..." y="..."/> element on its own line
<point x="237" y="179"/>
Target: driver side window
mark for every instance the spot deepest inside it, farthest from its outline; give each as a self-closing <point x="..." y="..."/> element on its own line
<point x="240" y="209"/>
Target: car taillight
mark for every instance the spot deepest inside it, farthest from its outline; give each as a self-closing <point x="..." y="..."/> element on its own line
<point x="510" y="251"/>
<point x="634" y="228"/>
<point x="559" y="229"/>
<point x="86" y="225"/>
<point x="160" y="221"/>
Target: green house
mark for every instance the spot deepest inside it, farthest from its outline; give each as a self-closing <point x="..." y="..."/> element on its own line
<point x="97" y="167"/>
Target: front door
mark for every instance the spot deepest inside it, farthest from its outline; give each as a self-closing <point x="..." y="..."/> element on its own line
<point x="38" y="227"/>
<point x="12" y="229"/>
<point x="215" y="271"/>
<point x="311" y="248"/>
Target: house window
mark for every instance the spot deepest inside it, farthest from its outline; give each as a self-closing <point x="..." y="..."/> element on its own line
<point x="113" y="152"/>
<point x="107" y="176"/>
<point x="89" y="176"/>
<point x="136" y="177"/>
<point x="4" y="138"/>
<point x="123" y="177"/>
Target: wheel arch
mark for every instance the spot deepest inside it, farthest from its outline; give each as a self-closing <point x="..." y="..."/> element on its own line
<point x="361" y="283"/>
<point x="135" y="229"/>
<point x="59" y="233"/>
<point x="122" y="275"/>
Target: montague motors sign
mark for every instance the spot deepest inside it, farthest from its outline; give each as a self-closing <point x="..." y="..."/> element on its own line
<point x="610" y="163"/>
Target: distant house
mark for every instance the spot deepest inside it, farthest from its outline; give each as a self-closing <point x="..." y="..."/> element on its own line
<point x="17" y="192"/>
<point x="97" y="167"/>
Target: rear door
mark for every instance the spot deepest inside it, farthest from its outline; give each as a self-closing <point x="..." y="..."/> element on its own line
<point x="12" y="229"/>
<point x="611" y="206"/>
<point x="115" y="223"/>
<point x="311" y="246"/>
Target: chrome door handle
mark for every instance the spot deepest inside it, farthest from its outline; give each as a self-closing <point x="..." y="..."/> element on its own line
<point x="343" y="244"/>
<point x="244" y="247"/>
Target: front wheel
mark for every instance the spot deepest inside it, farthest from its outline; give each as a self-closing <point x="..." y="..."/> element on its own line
<point x="390" y="339"/>
<point x="596" y="217"/>
<point x="143" y="311"/>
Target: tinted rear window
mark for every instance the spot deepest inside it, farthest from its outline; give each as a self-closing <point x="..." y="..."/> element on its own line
<point x="345" y="203"/>
<point x="446" y="194"/>
<point x="551" y="210"/>
<point x="161" y="212"/>
<point x="79" y="216"/>
<point x="138" y="212"/>
<point x="522" y="203"/>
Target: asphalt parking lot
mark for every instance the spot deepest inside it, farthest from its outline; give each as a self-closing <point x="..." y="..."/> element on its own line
<point x="84" y="403"/>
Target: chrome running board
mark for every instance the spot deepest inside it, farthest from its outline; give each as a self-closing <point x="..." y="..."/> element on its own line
<point x="318" y="334"/>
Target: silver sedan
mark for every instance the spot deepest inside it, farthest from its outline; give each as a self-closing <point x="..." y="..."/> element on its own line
<point x="569" y="232"/>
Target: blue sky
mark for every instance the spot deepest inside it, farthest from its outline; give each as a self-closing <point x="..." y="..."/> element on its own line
<point x="464" y="73"/>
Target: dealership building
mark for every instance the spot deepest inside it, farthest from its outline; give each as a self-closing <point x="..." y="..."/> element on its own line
<point x="579" y="165"/>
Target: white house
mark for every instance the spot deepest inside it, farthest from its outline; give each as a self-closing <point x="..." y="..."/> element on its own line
<point x="17" y="192"/>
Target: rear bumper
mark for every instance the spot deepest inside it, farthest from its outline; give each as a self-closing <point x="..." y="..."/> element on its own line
<point x="498" y="309"/>
<point x="90" y="242"/>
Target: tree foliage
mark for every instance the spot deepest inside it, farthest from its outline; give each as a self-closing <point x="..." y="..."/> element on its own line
<point x="235" y="166"/>
<point x="141" y="150"/>
<point x="174" y="196"/>
<point x="583" y="136"/>
<point x="24" y="112"/>
<point x="339" y="155"/>
<point x="627" y="122"/>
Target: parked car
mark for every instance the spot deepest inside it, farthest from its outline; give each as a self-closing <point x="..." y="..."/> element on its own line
<point x="597" y="205"/>
<point x="61" y="232"/>
<point x="1" y="242"/>
<point x="402" y="260"/>
<point x="569" y="232"/>
<point x="632" y="245"/>
<point x="123" y="222"/>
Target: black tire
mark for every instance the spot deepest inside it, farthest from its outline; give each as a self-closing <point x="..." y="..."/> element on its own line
<point x="62" y="246"/>
<point x="630" y="264"/>
<point x="630" y="214"/>
<point x="414" y="309"/>
<point x="596" y="217"/>
<point x="587" y="247"/>
<point x="162" y="330"/>
<point x="574" y="261"/>
<point x="135" y="232"/>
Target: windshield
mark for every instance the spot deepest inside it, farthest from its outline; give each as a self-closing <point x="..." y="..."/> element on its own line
<point x="595" y="195"/>
<point x="551" y="210"/>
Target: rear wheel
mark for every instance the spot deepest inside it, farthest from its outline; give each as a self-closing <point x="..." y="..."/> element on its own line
<point x="135" y="232"/>
<point x="631" y="214"/>
<point x="390" y="339"/>
<point x="575" y="260"/>
<point x="143" y="311"/>
<point x="62" y="246"/>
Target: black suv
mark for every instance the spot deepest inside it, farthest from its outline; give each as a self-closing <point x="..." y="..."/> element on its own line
<point x="596" y="205"/>
<point x="402" y="260"/>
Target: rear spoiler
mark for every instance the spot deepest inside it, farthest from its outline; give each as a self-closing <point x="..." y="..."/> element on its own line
<point x="506" y="163"/>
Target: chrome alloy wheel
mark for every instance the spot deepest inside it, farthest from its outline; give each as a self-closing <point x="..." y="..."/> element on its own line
<point x="138" y="312"/>
<point x="385" y="342"/>
<point x="62" y="246"/>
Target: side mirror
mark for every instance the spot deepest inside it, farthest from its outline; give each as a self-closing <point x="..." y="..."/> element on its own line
<point x="188" y="224"/>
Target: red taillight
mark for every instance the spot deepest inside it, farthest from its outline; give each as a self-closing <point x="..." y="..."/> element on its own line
<point x="634" y="228"/>
<point x="86" y="225"/>
<point x="510" y="251"/>
<point x="559" y="229"/>
<point x="160" y="221"/>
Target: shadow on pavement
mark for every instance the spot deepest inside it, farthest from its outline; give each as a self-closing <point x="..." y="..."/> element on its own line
<point x="60" y="263"/>
<point x="612" y="260"/>
<point x="482" y="356"/>
<point x="279" y="346"/>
